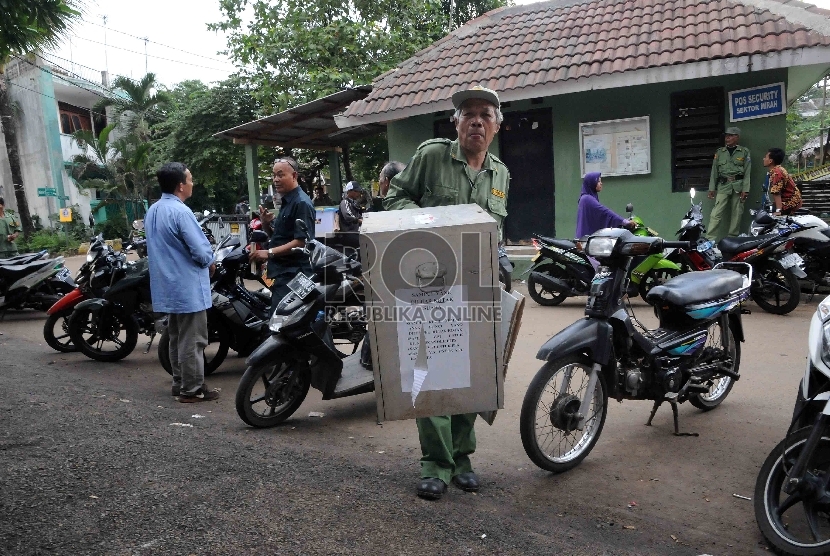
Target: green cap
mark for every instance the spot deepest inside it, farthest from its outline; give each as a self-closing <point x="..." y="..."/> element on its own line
<point x="732" y="131"/>
<point x="484" y="93"/>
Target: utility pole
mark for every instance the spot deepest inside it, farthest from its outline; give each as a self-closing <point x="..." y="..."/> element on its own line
<point x="106" y="62"/>
<point x="146" y="71"/>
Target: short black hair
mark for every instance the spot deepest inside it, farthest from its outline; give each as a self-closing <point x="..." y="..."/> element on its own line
<point x="170" y="176"/>
<point x="392" y="169"/>
<point x="776" y="155"/>
<point x="2" y="201"/>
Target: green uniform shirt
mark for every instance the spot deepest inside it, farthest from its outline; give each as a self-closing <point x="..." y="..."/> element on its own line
<point x="9" y="225"/>
<point x="726" y="166"/>
<point x="438" y="175"/>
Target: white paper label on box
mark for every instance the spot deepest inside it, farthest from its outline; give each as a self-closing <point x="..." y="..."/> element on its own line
<point x="438" y="312"/>
<point x="424" y="218"/>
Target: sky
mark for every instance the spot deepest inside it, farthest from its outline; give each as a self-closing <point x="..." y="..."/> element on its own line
<point x="180" y="46"/>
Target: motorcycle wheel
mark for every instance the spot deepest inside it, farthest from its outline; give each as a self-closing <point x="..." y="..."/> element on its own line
<point x="791" y="524"/>
<point x="103" y="341"/>
<point x="656" y="277"/>
<point x="506" y="280"/>
<point x="215" y="353"/>
<point x="56" y="332"/>
<point x="270" y="393"/>
<point x="719" y="387"/>
<point x="775" y="289"/>
<point x="548" y="419"/>
<point x="539" y="294"/>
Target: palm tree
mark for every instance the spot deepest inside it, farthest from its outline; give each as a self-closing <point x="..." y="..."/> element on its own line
<point x="139" y="107"/>
<point x="24" y="27"/>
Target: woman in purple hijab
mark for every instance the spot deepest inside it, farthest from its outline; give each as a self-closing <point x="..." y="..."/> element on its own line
<point x="591" y="215"/>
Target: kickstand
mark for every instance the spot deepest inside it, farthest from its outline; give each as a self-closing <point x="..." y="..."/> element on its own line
<point x="673" y="403"/>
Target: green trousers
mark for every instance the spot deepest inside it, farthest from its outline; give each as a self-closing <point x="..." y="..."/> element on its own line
<point x="726" y="216"/>
<point x="446" y="444"/>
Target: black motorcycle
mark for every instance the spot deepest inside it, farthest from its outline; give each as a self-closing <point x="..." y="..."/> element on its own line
<point x="301" y="353"/>
<point x="693" y="356"/>
<point x="106" y="328"/>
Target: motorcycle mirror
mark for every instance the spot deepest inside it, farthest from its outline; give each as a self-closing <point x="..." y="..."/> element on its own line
<point x="258" y="236"/>
<point x="629" y="208"/>
<point x="302" y="227"/>
<point x="692" y="192"/>
<point x="206" y="212"/>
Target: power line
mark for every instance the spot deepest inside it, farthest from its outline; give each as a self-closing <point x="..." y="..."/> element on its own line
<point x="158" y="43"/>
<point x="53" y="98"/>
<point x="151" y="56"/>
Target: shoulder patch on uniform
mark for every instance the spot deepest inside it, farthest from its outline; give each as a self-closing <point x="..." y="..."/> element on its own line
<point x="497" y="192"/>
<point x="437" y="141"/>
<point x="497" y="160"/>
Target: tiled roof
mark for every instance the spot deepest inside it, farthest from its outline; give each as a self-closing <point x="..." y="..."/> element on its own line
<point x="517" y="49"/>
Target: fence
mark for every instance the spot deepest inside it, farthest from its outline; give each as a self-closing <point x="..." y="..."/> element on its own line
<point x="815" y="197"/>
<point x="223" y="225"/>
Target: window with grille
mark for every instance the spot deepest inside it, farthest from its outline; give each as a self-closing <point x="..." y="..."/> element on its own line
<point x="696" y="133"/>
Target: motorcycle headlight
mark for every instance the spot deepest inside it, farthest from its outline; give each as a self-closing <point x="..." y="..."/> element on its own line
<point x="824" y="309"/>
<point x="277" y="322"/>
<point x="91" y="255"/>
<point x="600" y="246"/>
<point x="825" y="343"/>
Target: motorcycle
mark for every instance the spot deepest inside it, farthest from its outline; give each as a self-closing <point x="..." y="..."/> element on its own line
<point x="94" y="277"/>
<point x="505" y="269"/>
<point x="561" y="269"/>
<point x="300" y="352"/>
<point x="776" y="268"/>
<point x="791" y="499"/>
<point x="693" y="356"/>
<point x="106" y="328"/>
<point x="138" y="239"/>
<point x="24" y="258"/>
<point x="34" y="285"/>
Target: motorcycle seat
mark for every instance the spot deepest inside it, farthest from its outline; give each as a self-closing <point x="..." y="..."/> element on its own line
<point x="733" y="245"/>
<point x="696" y="287"/>
<point x="560" y="243"/>
<point x="13" y="273"/>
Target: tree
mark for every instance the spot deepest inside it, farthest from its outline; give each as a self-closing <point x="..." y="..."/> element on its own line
<point x="195" y="113"/>
<point x="140" y="108"/>
<point x="26" y="26"/>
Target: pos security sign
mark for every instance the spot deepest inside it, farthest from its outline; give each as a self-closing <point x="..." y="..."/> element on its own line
<point x="757" y="102"/>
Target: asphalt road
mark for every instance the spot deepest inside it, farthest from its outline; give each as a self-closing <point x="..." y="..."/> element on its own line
<point x="95" y="460"/>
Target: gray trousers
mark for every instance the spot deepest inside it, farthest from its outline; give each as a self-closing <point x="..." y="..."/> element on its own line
<point x="188" y="339"/>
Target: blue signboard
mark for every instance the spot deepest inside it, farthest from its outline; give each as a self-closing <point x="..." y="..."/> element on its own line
<point x="757" y="102"/>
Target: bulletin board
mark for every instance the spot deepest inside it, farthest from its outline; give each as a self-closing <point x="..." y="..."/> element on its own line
<point x="615" y="147"/>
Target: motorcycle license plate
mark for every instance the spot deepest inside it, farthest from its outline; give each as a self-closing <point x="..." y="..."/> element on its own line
<point x="790" y="260"/>
<point x="301" y="285"/>
<point x="63" y="274"/>
<point x="535" y="257"/>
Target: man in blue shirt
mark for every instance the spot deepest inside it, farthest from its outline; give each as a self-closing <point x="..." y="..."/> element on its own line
<point x="181" y="264"/>
<point x="283" y="263"/>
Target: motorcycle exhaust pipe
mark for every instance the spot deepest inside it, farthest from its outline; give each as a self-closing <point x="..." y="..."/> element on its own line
<point x="552" y="284"/>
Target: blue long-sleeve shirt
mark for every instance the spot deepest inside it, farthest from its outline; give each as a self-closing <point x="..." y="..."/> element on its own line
<point x="179" y="255"/>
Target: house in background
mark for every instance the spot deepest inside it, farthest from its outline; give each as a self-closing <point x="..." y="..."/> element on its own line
<point x="639" y="89"/>
<point x="53" y="104"/>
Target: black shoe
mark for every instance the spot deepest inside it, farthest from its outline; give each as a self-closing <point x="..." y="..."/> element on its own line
<point x="467" y="482"/>
<point x="177" y="389"/>
<point x="203" y="394"/>
<point x="431" y="489"/>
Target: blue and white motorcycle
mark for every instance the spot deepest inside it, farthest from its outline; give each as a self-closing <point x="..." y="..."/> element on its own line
<point x="693" y="356"/>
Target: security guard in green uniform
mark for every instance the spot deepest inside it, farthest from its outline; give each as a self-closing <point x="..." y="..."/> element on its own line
<point x="730" y="178"/>
<point x="9" y="230"/>
<point x="442" y="173"/>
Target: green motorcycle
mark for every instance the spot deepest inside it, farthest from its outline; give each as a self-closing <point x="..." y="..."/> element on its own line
<point x="561" y="269"/>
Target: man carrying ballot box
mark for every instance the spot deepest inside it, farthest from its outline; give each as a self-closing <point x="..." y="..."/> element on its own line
<point x="442" y="173"/>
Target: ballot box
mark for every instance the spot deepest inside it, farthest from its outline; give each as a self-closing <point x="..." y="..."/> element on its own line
<point x="433" y="302"/>
<point x="324" y="221"/>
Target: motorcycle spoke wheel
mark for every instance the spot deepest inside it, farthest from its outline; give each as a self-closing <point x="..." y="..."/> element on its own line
<point x="548" y="422"/>
<point x="538" y="292"/>
<point x="108" y="338"/>
<point x="776" y="290"/>
<point x="721" y="385"/>
<point x="796" y="524"/>
<point x="270" y="393"/>
<point x="56" y="332"/>
<point x="656" y="277"/>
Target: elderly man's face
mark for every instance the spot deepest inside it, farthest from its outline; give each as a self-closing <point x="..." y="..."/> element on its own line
<point x="285" y="178"/>
<point x="732" y="140"/>
<point x="477" y="125"/>
<point x="383" y="185"/>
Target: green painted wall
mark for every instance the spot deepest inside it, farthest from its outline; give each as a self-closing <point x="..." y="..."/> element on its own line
<point x="651" y="194"/>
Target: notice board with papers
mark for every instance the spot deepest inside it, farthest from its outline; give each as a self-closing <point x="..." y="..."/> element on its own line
<point x="615" y="147"/>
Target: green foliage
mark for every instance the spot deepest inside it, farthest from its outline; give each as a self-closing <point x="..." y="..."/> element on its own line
<point x="800" y="129"/>
<point x="30" y="24"/>
<point x="141" y="107"/>
<point x="113" y="228"/>
<point x="52" y="240"/>
<point x="195" y="113"/>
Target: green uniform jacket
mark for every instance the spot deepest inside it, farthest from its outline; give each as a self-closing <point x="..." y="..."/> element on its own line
<point x="438" y="175"/>
<point x="729" y="166"/>
<point x="9" y="225"/>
